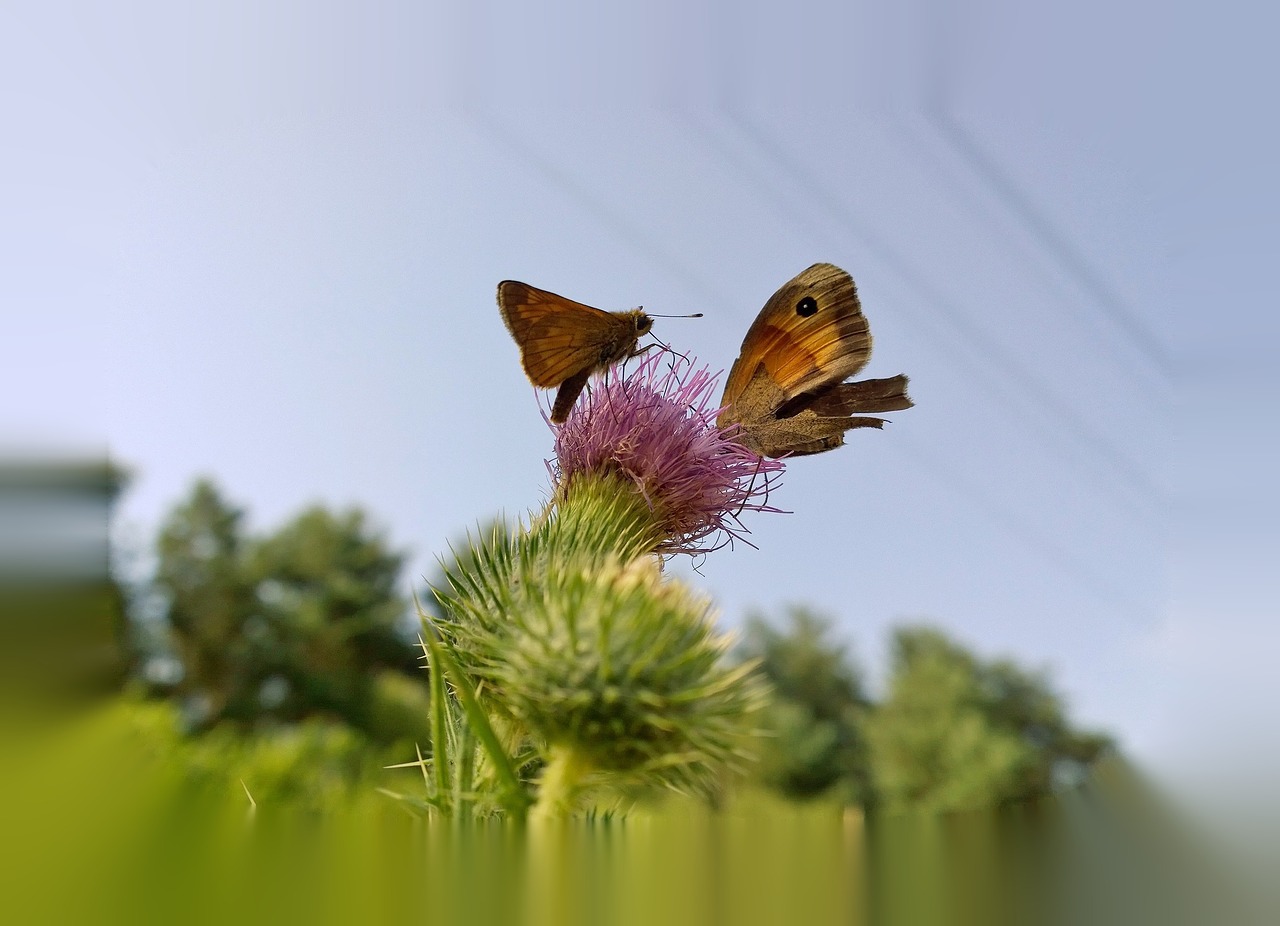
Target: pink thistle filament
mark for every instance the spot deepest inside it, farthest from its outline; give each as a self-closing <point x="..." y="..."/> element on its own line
<point x="654" y="427"/>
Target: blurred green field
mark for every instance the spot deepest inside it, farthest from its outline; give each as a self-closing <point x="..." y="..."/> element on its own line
<point x="115" y="818"/>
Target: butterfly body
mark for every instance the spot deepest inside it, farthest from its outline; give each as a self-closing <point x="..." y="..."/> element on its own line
<point x="786" y="392"/>
<point x="563" y="342"/>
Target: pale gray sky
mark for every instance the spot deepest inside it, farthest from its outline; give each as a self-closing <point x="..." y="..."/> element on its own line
<point x="264" y="247"/>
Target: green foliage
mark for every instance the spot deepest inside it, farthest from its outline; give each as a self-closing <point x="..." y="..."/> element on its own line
<point x="953" y="731"/>
<point x="957" y="733"/>
<point x="327" y="615"/>
<point x="1022" y="701"/>
<point x="303" y="623"/>
<point x="203" y="574"/>
<point x="817" y="709"/>
<point x="933" y="744"/>
<point x="316" y="766"/>
<point x="398" y="709"/>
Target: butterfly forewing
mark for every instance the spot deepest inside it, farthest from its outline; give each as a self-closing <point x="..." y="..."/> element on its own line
<point x="563" y="342"/>
<point x="810" y="333"/>
<point x="558" y="338"/>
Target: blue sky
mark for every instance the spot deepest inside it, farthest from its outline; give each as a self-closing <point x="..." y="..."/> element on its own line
<point x="264" y="247"/>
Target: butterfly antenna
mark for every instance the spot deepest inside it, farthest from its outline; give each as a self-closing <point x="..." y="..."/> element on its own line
<point x="693" y="315"/>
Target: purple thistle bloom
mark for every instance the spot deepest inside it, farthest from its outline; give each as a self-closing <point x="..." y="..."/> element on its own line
<point x="654" y="427"/>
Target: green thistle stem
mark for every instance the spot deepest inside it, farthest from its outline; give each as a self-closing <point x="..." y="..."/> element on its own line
<point x="439" y="726"/>
<point x="560" y="783"/>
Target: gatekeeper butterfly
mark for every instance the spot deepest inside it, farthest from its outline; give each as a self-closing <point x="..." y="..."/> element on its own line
<point x="786" y="391"/>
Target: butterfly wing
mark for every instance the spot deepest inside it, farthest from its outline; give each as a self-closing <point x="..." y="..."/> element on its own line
<point x="786" y="390"/>
<point x="868" y="396"/>
<point x="811" y="333"/>
<point x="559" y="339"/>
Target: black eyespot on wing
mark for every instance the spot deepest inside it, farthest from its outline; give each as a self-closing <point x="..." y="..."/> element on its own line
<point x="806" y="307"/>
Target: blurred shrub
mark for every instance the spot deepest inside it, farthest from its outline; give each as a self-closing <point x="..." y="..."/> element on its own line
<point x="304" y="622"/>
<point x="815" y="744"/>
<point x="955" y="732"/>
<point x="952" y="732"/>
<point x="315" y="765"/>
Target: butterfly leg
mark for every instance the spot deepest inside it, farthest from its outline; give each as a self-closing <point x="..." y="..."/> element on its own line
<point x="635" y="352"/>
<point x="666" y="348"/>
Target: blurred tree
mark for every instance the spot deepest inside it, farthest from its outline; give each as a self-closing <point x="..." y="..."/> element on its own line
<point x="305" y="622"/>
<point x="202" y="573"/>
<point x="957" y="733"/>
<point x="327" y="617"/>
<point x="817" y="710"/>
<point x="1022" y="701"/>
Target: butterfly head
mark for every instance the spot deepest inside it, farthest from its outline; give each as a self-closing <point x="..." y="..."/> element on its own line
<point x="643" y="323"/>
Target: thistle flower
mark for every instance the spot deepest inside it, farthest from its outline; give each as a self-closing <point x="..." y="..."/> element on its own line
<point x="565" y="635"/>
<point x="654" y="428"/>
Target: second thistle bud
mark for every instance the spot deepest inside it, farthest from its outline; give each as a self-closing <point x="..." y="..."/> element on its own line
<point x="626" y="672"/>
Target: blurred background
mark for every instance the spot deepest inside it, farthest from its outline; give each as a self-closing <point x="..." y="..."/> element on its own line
<point x="260" y="245"/>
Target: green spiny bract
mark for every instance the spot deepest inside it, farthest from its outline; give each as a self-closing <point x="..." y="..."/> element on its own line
<point x="578" y="645"/>
<point x="627" y="671"/>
